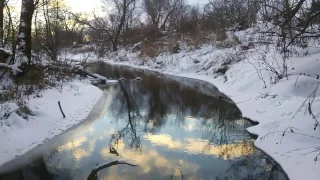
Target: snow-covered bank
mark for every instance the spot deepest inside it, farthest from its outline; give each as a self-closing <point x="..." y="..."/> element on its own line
<point x="289" y="137"/>
<point x="17" y="135"/>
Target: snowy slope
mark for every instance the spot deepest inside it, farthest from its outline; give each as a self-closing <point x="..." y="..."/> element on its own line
<point x="274" y="106"/>
<point x="17" y="135"/>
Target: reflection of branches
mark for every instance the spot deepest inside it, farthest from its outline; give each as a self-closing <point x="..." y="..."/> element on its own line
<point x="158" y="108"/>
<point x="131" y="105"/>
<point x="38" y="170"/>
<point x="120" y="135"/>
<point x="218" y="129"/>
<point x="264" y="168"/>
<point x="159" y="98"/>
<point x="131" y="124"/>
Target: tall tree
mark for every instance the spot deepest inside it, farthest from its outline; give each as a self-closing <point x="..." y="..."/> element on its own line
<point x="119" y="18"/>
<point x="23" y="55"/>
<point x="2" y="3"/>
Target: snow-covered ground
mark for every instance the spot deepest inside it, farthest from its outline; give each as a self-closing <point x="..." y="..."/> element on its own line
<point x="18" y="135"/>
<point x="286" y="134"/>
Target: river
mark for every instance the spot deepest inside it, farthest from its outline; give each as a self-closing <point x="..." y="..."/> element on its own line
<point x="171" y="127"/>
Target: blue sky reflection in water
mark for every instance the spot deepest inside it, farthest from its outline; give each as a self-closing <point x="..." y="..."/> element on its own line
<point x="168" y="126"/>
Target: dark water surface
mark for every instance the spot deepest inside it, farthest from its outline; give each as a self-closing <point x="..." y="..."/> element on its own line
<point x="173" y="128"/>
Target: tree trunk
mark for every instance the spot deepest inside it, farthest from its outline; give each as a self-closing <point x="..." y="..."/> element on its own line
<point x="23" y="56"/>
<point x="115" y="46"/>
<point x="122" y="22"/>
<point x="1" y="22"/>
<point x="163" y="26"/>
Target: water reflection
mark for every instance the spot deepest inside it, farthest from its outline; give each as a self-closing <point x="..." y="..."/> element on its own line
<point x="169" y="128"/>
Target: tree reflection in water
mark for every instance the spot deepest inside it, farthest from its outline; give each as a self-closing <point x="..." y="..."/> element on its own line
<point x="37" y="170"/>
<point x="221" y="123"/>
<point x="128" y="133"/>
<point x="151" y="109"/>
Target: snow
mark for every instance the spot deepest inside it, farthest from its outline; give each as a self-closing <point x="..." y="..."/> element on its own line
<point x="22" y="35"/>
<point x="112" y="81"/>
<point x="13" y="67"/>
<point x="100" y="77"/>
<point x="6" y="51"/>
<point x="138" y="78"/>
<point x="274" y="106"/>
<point x="18" y="135"/>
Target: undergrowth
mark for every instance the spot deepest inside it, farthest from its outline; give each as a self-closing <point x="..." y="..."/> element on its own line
<point x="30" y="84"/>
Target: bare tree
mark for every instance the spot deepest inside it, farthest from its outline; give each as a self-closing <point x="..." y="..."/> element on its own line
<point x="185" y="19"/>
<point x="159" y="11"/>
<point x="113" y="24"/>
<point x="234" y="12"/>
<point x="292" y="21"/>
<point x="11" y="28"/>
<point x="53" y="29"/>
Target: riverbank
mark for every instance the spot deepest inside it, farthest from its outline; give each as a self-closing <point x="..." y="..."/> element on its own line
<point x="18" y="135"/>
<point x="286" y="134"/>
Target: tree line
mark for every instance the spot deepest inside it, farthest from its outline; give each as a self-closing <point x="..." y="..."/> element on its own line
<point x="49" y="26"/>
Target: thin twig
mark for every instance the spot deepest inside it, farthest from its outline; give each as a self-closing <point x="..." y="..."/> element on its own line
<point x="314" y="137"/>
<point x="64" y="116"/>
<point x="314" y="147"/>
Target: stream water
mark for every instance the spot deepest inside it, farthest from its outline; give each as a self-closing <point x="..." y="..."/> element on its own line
<point x="173" y="128"/>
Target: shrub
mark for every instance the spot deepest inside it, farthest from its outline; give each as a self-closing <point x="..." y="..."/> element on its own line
<point x="149" y="49"/>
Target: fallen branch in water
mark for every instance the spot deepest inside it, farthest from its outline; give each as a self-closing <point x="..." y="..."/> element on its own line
<point x="181" y="174"/>
<point x="93" y="174"/>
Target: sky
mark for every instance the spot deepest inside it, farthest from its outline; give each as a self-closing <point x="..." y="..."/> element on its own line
<point x="194" y="2"/>
<point x="84" y="6"/>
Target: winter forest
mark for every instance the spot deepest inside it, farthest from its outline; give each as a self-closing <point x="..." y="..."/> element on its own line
<point x="261" y="57"/>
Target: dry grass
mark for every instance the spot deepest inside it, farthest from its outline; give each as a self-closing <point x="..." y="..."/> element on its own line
<point x="149" y="49"/>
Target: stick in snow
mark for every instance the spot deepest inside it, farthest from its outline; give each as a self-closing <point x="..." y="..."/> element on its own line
<point x="93" y="174"/>
<point x="64" y="116"/>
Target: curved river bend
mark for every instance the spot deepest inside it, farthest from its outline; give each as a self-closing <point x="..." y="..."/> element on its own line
<point x="173" y="128"/>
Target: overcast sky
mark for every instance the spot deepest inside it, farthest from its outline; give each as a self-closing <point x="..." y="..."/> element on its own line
<point x="89" y="5"/>
<point x="84" y="6"/>
<point x="200" y="2"/>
